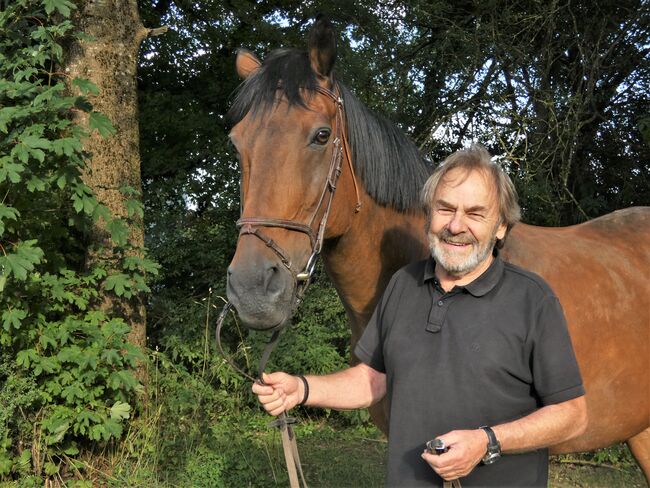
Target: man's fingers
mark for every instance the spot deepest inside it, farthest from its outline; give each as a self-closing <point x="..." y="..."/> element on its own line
<point x="274" y="406"/>
<point x="274" y="378"/>
<point x="260" y="389"/>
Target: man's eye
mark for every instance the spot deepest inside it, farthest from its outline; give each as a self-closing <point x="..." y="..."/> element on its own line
<point x="322" y="136"/>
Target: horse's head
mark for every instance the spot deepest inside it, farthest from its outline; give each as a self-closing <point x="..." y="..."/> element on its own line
<point x="289" y="135"/>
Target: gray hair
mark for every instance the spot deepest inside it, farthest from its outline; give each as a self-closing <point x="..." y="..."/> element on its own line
<point x="476" y="158"/>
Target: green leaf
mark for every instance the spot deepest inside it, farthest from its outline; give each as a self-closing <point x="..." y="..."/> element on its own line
<point x="13" y="170"/>
<point x="88" y="417"/>
<point x="62" y="6"/>
<point x="21" y="152"/>
<point x="35" y="183"/>
<point x="46" y="364"/>
<point x="123" y="379"/>
<point x="120" y="410"/>
<point x="119" y="231"/>
<point x="7" y="213"/>
<point x="69" y="354"/>
<point x="101" y="212"/>
<point x="21" y="261"/>
<point x="57" y="435"/>
<point x="26" y="357"/>
<point x="97" y="432"/>
<point x="34" y="142"/>
<point x="87" y="361"/>
<point x="101" y="123"/>
<point x="13" y="318"/>
<point x="6" y="114"/>
<point x="134" y="207"/>
<point x="111" y="356"/>
<point x="71" y="450"/>
<point x="83" y="104"/>
<point x="66" y="145"/>
<point x="113" y="428"/>
<point x="86" y="86"/>
<point x="5" y="464"/>
<point x="119" y="283"/>
<point x="46" y="340"/>
<point x="71" y="392"/>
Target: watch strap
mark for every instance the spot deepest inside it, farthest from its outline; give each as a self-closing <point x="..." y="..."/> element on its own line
<point x="493" y="443"/>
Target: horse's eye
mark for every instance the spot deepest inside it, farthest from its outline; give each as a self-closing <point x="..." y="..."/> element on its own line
<point x="322" y="136"/>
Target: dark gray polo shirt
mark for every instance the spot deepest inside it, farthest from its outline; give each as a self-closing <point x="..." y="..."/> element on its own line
<point x="487" y="353"/>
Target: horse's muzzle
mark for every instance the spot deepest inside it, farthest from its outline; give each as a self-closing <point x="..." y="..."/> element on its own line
<point x="263" y="293"/>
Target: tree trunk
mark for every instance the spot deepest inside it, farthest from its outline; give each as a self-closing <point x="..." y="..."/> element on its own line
<point x="109" y="60"/>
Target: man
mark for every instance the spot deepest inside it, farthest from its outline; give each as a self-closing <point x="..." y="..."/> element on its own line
<point x="468" y="349"/>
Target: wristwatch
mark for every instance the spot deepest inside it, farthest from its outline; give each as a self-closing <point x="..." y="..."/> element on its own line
<point x="493" y="447"/>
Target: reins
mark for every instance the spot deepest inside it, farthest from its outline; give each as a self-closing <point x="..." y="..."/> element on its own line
<point x="252" y="226"/>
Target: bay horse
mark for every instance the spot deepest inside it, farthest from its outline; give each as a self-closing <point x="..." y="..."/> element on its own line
<point x="320" y="172"/>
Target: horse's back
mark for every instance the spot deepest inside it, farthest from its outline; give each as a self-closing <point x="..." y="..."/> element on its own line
<point x="614" y="249"/>
<point x="598" y="270"/>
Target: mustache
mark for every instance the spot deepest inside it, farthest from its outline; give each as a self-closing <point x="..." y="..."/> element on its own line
<point x="464" y="238"/>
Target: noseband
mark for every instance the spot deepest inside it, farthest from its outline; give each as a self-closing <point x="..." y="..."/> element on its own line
<point x="253" y="225"/>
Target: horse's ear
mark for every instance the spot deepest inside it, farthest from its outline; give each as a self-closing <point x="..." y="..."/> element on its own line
<point x="322" y="47"/>
<point x="247" y="63"/>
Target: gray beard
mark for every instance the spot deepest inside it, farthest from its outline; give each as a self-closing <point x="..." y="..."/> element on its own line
<point x="477" y="256"/>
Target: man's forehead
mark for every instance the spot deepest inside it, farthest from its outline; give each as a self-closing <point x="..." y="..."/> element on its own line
<point x="481" y="180"/>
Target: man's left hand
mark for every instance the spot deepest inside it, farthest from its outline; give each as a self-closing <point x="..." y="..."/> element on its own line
<point x="466" y="449"/>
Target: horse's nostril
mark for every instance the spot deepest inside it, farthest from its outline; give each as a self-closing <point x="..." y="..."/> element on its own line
<point x="273" y="282"/>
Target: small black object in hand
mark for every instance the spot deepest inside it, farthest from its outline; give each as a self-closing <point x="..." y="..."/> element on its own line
<point x="437" y="446"/>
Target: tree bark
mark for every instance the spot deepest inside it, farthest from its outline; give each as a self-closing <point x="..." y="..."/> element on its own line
<point x="109" y="60"/>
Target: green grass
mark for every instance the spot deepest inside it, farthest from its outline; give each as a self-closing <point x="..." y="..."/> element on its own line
<point x="241" y="451"/>
<point x="355" y="457"/>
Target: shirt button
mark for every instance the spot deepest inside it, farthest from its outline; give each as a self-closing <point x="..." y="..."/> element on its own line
<point x="440" y="303"/>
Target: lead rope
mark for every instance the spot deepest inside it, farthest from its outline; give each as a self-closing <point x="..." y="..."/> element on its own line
<point x="451" y="484"/>
<point x="283" y="422"/>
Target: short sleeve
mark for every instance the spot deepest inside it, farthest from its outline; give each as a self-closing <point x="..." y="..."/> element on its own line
<point x="370" y="348"/>
<point x="556" y="375"/>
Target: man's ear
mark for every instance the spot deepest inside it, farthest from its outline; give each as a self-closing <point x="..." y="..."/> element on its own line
<point x="322" y="47"/>
<point x="247" y="63"/>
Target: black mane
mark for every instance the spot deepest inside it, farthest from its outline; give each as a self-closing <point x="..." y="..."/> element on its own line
<point x="388" y="163"/>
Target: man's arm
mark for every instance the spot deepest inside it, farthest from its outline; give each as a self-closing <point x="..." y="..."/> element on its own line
<point x="545" y="427"/>
<point x="356" y="387"/>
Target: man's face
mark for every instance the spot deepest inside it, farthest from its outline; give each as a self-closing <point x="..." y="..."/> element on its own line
<point x="465" y="222"/>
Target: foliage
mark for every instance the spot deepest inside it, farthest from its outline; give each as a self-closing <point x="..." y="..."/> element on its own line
<point x="67" y="379"/>
<point x="558" y="89"/>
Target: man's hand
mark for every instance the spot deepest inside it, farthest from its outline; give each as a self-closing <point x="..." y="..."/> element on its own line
<point x="466" y="449"/>
<point x="279" y="393"/>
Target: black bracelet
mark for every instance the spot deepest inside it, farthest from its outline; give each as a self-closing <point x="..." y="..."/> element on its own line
<point x="306" y="388"/>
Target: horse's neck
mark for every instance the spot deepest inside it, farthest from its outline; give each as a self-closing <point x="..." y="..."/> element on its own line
<point x="361" y="261"/>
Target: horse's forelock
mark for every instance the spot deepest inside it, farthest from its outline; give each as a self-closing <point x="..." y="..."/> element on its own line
<point x="287" y="70"/>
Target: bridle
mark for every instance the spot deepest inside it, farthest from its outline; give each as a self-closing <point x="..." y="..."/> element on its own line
<point x="253" y="225"/>
<point x="302" y="279"/>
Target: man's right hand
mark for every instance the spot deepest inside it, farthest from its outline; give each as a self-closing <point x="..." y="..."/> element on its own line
<point x="279" y="393"/>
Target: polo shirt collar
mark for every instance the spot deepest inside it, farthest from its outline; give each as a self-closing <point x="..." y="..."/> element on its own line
<point x="481" y="285"/>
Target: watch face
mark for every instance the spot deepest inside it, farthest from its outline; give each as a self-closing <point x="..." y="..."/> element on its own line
<point x="491" y="457"/>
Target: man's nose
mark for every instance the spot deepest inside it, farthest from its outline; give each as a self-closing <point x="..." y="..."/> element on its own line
<point x="457" y="224"/>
